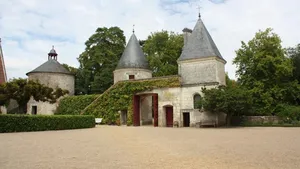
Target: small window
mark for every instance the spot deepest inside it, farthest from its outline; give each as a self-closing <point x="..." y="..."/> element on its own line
<point x="197" y="101"/>
<point x="131" y="77"/>
<point x="34" y="110"/>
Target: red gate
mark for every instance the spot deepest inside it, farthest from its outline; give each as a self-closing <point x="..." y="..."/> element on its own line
<point x="169" y="116"/>
<point x="136" y="110"/>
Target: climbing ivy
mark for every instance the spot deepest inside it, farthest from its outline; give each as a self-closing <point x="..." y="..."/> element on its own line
<point x="119" y="97"/>
<point x="73" y="105"/>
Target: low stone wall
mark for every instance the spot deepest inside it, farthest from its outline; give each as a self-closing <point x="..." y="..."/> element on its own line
<point x="254" y="120"/>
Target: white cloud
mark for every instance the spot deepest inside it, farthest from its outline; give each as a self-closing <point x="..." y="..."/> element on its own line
<point x="30" y="27"/>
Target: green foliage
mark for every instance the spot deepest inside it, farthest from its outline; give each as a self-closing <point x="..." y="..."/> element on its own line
<point x="21" y="90"/>
<point x="73" y="105"/>
<point x="264" y="70"/>
<point x="230" y="82"/>
<point x="294" y="54"/>
<point x="289" y="113"/>
<point x="119" y="97"/>
<point x="21" y="123"/>
<point x="229" y="100"/>
<point x="162" y="50"/>
<point x="97" y="63"/>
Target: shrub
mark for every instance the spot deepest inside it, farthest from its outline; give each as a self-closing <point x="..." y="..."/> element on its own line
<point x="20" y="123"/>
<point x="73" y="105"/>
<point x="289" y="113"/>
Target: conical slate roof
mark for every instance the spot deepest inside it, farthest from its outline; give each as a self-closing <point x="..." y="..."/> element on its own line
<point x="200" y="44"/>
<point x="133" y="56"/>
<point x="51" y="66"/>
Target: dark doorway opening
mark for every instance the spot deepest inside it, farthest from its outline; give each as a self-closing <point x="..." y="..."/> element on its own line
<point x="169" y="116"/>
<point x="34" y="110"/>
<point x="186" y="119"/>
<point x="131" y="77"/>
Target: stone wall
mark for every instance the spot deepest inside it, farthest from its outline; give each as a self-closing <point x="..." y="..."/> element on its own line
<point x="44" y="108"/>
<point x="254" y="120"/>
<point x="206" y="70"/>
<point x="55" y="80"/>
<point x="3" y="110"/>
<point x="123" y="74"/>
<point x="182" y="101"/>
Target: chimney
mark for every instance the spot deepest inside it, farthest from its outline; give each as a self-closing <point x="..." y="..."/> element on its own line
<point x="186" y="33"/>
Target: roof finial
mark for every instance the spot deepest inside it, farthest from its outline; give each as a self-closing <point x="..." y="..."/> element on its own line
<point x="133" y="28"/>
<point x="52" y="46"/>
<point x="199" y="11"/>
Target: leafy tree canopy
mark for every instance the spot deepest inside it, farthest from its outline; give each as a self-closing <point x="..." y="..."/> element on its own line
<point x="229" y="100"/>
<point x="21" y="90"/>
<point x="97" y="63"/>
<point x="294" y="54"/>
<point x="162" y="50"/>
<point x="263" y="69"/>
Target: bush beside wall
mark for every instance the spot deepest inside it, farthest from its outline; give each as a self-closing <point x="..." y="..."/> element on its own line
<point x="21" y="123"/>
<point x="73" y="105"/>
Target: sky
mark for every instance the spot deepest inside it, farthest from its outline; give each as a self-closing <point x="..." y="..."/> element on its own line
<point x="29" y="28"/>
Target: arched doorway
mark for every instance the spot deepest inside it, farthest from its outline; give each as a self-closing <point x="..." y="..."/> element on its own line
<point x="169" y="116"/>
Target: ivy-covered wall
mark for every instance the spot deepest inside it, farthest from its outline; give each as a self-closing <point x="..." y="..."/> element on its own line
<point x="119" y="97"/>
<point x="73" y="105"/>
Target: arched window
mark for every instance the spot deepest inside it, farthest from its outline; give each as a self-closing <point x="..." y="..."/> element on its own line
<point x="197" y="101"/>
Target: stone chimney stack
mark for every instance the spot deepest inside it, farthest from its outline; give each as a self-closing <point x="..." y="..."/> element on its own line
<point x="186" y="33"/>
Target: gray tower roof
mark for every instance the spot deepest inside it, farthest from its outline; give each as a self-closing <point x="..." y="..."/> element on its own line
<point x="133" y="56"/>
<point x="51" y="66"/>
<point x="200" y="44"/>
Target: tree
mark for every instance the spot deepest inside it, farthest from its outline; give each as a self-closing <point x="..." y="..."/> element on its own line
<point x="162" y="50"/>
<point x="100" y="58"/>
<point x="294" y="54"/>
<point x="263" y="69"/>
<point x="21" y="90"/>
<point x="230" y="82"/>
<point x="71" y="69"/>
<point x="228" y="100"/>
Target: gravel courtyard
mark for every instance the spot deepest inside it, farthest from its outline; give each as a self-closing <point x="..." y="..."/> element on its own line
<point x="147" y="147"/>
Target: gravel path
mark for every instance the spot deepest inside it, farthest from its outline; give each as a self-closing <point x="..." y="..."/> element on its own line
<point x="147" y="147"/>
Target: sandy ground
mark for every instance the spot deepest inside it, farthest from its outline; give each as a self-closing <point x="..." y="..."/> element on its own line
<point x="147" y="147"/>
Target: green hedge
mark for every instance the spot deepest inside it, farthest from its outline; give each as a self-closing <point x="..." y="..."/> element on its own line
<point x="73" y="105"/>
<point x="21" y="123"/>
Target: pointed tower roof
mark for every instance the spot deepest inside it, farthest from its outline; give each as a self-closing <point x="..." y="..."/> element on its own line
<point x="51" y="66"/>
<point x="3" y="77"/>
<point x="200" y="44"/>
<point x="133" y="56"/>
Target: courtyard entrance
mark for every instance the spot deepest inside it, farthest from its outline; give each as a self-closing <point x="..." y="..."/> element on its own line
<point x="145" y="109"/>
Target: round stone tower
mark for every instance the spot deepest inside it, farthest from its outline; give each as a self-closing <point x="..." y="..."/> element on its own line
<point x="54" y="75"/>
<point x="133" y="63"/>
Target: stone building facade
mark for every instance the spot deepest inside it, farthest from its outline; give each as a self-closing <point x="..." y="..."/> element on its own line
<point x="200" y="65"/>
<point x="54" y="75"/>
